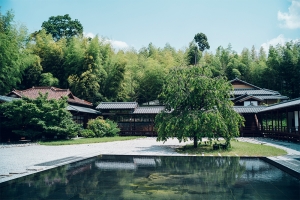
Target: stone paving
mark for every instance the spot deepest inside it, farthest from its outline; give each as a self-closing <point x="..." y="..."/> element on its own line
<point x="22" y="159"/>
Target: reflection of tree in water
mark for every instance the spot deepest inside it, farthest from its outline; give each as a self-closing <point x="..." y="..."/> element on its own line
<point x="135" y="177"/>
<point x="188" y="177"/>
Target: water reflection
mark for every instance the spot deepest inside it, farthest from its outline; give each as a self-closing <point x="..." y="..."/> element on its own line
<point x="145" y="177"/>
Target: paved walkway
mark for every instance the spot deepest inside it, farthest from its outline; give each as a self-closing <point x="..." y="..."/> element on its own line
<point x="21" y="160"/>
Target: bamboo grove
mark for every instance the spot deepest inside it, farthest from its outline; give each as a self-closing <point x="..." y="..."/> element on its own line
<point x="93" y="70"/>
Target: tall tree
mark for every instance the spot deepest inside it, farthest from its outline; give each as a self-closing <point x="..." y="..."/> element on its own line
<point x="86" y="84"/>
<point x="193" y="55"/>
<point x="51" y="54"/>
<point x="197" y="106"/>
<point x="12" y="40"/>
<point x="62" y="27"/>
<point x="201" y="40"/>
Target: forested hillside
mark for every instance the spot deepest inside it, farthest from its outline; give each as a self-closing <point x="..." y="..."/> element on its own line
<point x="94" y="71"/>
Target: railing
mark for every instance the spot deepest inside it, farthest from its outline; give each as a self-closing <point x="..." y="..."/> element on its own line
<point x="282" y="133"/>
<point x="281" y="129"/>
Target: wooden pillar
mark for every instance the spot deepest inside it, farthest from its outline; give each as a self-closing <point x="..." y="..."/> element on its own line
<point x="281" y="122"/>
<point x="272" y="120"/>
<point x="286" y="119"/>
<point x="277" y="121"/>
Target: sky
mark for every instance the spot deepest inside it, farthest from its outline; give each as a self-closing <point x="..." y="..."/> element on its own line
<point x="136" y="23"/>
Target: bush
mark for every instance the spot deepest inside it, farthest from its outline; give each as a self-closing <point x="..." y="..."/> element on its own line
<point x="88" y="133"/>
<point x="39" y="117"/>
<point x="102" y="128"/>
<point x="113" y="128"/>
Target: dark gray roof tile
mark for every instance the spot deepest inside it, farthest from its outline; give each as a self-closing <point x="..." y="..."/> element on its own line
<point x="248" y="109"/>
<point x="82" y="109"/>
<point x="292" y="102"/>
<point x="117" y="105"/>
<point x="148" y="110"/>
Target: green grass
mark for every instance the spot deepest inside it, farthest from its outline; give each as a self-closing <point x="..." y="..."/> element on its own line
<point x="88" y="140"/>
<point x="237" y="149"/>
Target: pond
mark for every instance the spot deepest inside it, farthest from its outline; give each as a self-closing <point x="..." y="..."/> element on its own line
<point x="157" y="177"/>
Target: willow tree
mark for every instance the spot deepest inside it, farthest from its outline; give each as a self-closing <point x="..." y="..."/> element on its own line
<point x="197" y="106"/>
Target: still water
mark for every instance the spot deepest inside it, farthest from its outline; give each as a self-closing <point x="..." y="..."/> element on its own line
<point x="157" y="177"/>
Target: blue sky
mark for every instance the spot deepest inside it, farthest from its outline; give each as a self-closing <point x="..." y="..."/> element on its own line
<point x="136" y="23"/>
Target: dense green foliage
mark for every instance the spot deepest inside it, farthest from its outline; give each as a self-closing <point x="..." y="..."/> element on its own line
<point x="197" y="106"/>
<point x="101" y="128"/>
<point x="93" y="70"/>
<point x="12" y="56"/>
<point x="62" y="27"/>
<point x="39" y="117"/>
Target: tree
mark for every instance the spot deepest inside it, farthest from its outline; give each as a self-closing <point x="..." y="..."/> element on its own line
<point x="91" y="75"/>
<point x="201" y="40"/>
<point x="192" y="54"/>
<point x="41" y="116"/>
<point x="150" y="84"/>
<point x="113" y="84"/>
<point x="11" y="42"/>
<point x="197" y="106"/>
<point x="62" y="27"/>
<point x="51" y="55"/>
<point x="47" y="79"/>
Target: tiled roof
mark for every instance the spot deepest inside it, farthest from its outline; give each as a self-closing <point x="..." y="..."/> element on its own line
<point x="53" y="93"/>
<point x="253" y="92"/>
<point x="117" y="105"/>
<point x="249" y="97"/>
<point x="7" y="99"/>
<point x="272" y="97"/>
<point x="148" y="110"/>
<point x="239" y="80"/>
<point x="292" y="102"/>
<point x="248" y="109"/>
<point x="82" y="109"/>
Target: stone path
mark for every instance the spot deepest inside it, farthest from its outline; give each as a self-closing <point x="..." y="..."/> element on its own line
<point x="20" y="160"/>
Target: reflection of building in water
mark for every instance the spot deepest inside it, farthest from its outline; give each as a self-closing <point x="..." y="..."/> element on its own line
<point x="136" y="162"/>
<point x="259" y="170"/>
<point x="115" y="165"/>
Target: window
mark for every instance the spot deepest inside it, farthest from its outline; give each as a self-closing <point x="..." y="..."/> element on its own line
<point x="250" y="103"/>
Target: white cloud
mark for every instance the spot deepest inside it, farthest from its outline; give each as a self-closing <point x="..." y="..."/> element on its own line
<point x="114" y="43"/>
<point x="291" y="19"/>
<point x="280" y="39"/>
<point x="118" y="44"/>
<point x="91" y="35"/>
<point x="275" y="41"/>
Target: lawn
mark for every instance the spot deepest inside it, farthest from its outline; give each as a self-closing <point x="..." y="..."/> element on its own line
<point x="88" y="140"/>
<point x="237" y="149"/>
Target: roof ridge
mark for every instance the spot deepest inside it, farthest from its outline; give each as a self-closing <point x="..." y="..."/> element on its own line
<point x="286" y="101"/>
<point x="118" y="102"/>
<point x="237" y="79"/>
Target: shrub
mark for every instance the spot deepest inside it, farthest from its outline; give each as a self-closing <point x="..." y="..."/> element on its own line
<point x="103" y="128"/>
<point x="113" y="128"/>
<point x="87" y="133"/>
<point x="39" y="117"/>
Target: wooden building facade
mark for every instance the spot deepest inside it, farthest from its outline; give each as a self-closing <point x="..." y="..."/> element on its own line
<point x="131" y="118"/>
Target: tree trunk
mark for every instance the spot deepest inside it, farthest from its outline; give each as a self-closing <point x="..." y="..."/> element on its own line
<point x="195" y="141"/>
